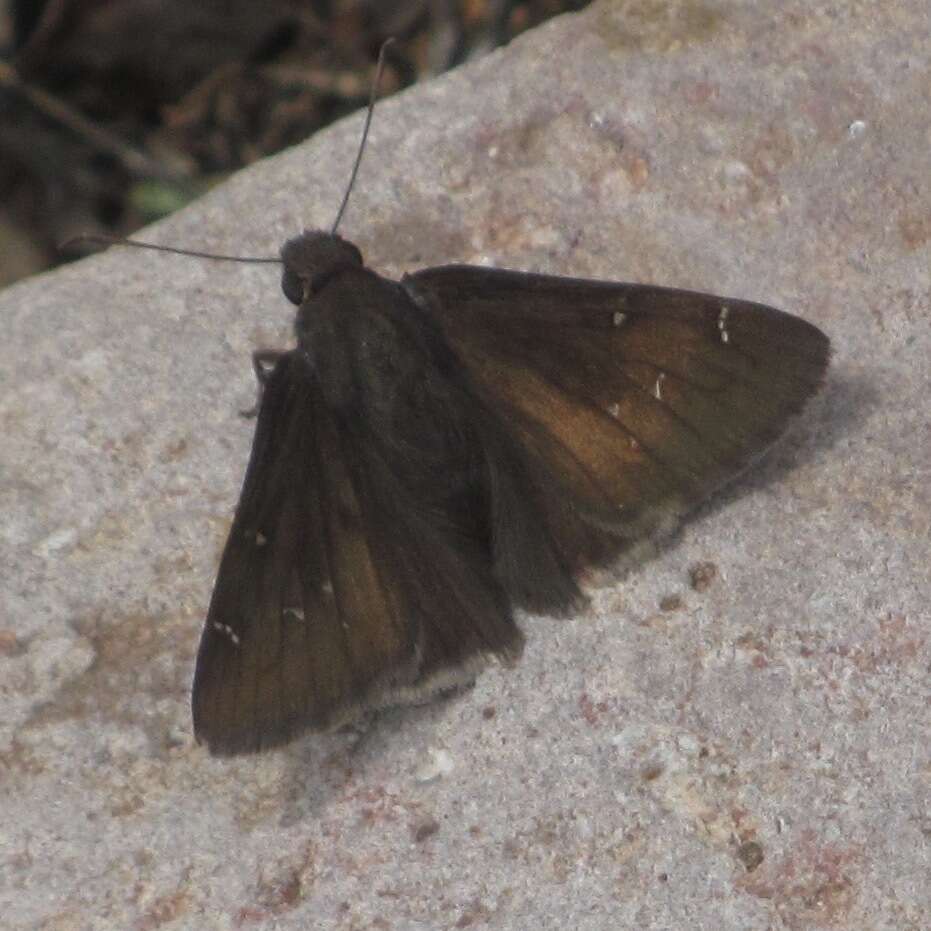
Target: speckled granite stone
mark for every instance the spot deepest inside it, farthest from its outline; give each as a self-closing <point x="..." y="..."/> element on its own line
<point x="736" y="736"/>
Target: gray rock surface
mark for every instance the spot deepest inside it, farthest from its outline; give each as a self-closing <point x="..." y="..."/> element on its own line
<point x="745" y="748"/>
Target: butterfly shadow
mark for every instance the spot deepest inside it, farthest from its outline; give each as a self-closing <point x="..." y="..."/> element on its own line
<point x="324" y="769"/>
<point x="846" y="402"/>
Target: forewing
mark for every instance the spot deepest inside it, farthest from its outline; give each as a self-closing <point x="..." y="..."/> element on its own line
<point x="334" y="593"/>
<point x="302" y="628"/>
<point x="631" y="402"/>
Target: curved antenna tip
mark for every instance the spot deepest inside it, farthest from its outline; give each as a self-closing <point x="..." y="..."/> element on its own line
<point x="376" y="81"/>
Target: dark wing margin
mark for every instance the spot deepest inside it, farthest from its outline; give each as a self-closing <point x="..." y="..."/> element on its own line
<point x="329" y="599"/>
<point x="631" y="403"/>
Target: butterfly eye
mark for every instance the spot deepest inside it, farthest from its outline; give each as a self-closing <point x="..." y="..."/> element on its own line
<point x="293" y="286"/>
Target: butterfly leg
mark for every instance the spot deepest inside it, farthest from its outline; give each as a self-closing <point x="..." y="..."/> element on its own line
<point x="263" y="361"/>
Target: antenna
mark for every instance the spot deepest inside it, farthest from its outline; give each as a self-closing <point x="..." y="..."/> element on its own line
<point x="101" y="239"/>
<point x="379" y="68"/>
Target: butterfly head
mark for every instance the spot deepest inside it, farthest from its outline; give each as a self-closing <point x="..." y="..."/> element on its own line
<point x="311" y="260"/>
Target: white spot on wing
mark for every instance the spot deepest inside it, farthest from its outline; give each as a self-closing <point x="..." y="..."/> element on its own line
<point x="614" y="410"/>
<point x="296" y="613"/>
<point x="226" y="629"/>
<point x="618" y="318"/>
<point x="722" y="323"/>
<point x="658" y="387"/>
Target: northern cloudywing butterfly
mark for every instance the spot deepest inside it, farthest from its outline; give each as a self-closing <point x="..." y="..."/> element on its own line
<point x="438" y="451"/>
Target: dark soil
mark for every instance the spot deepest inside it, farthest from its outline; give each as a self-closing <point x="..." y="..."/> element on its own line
<point x="116" y="112"/>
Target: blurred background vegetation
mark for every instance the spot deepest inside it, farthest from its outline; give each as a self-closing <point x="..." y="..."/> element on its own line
<point x="113" y="113"/>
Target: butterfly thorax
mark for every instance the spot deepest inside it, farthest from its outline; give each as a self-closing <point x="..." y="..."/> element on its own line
<point x="379" y="363"/>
